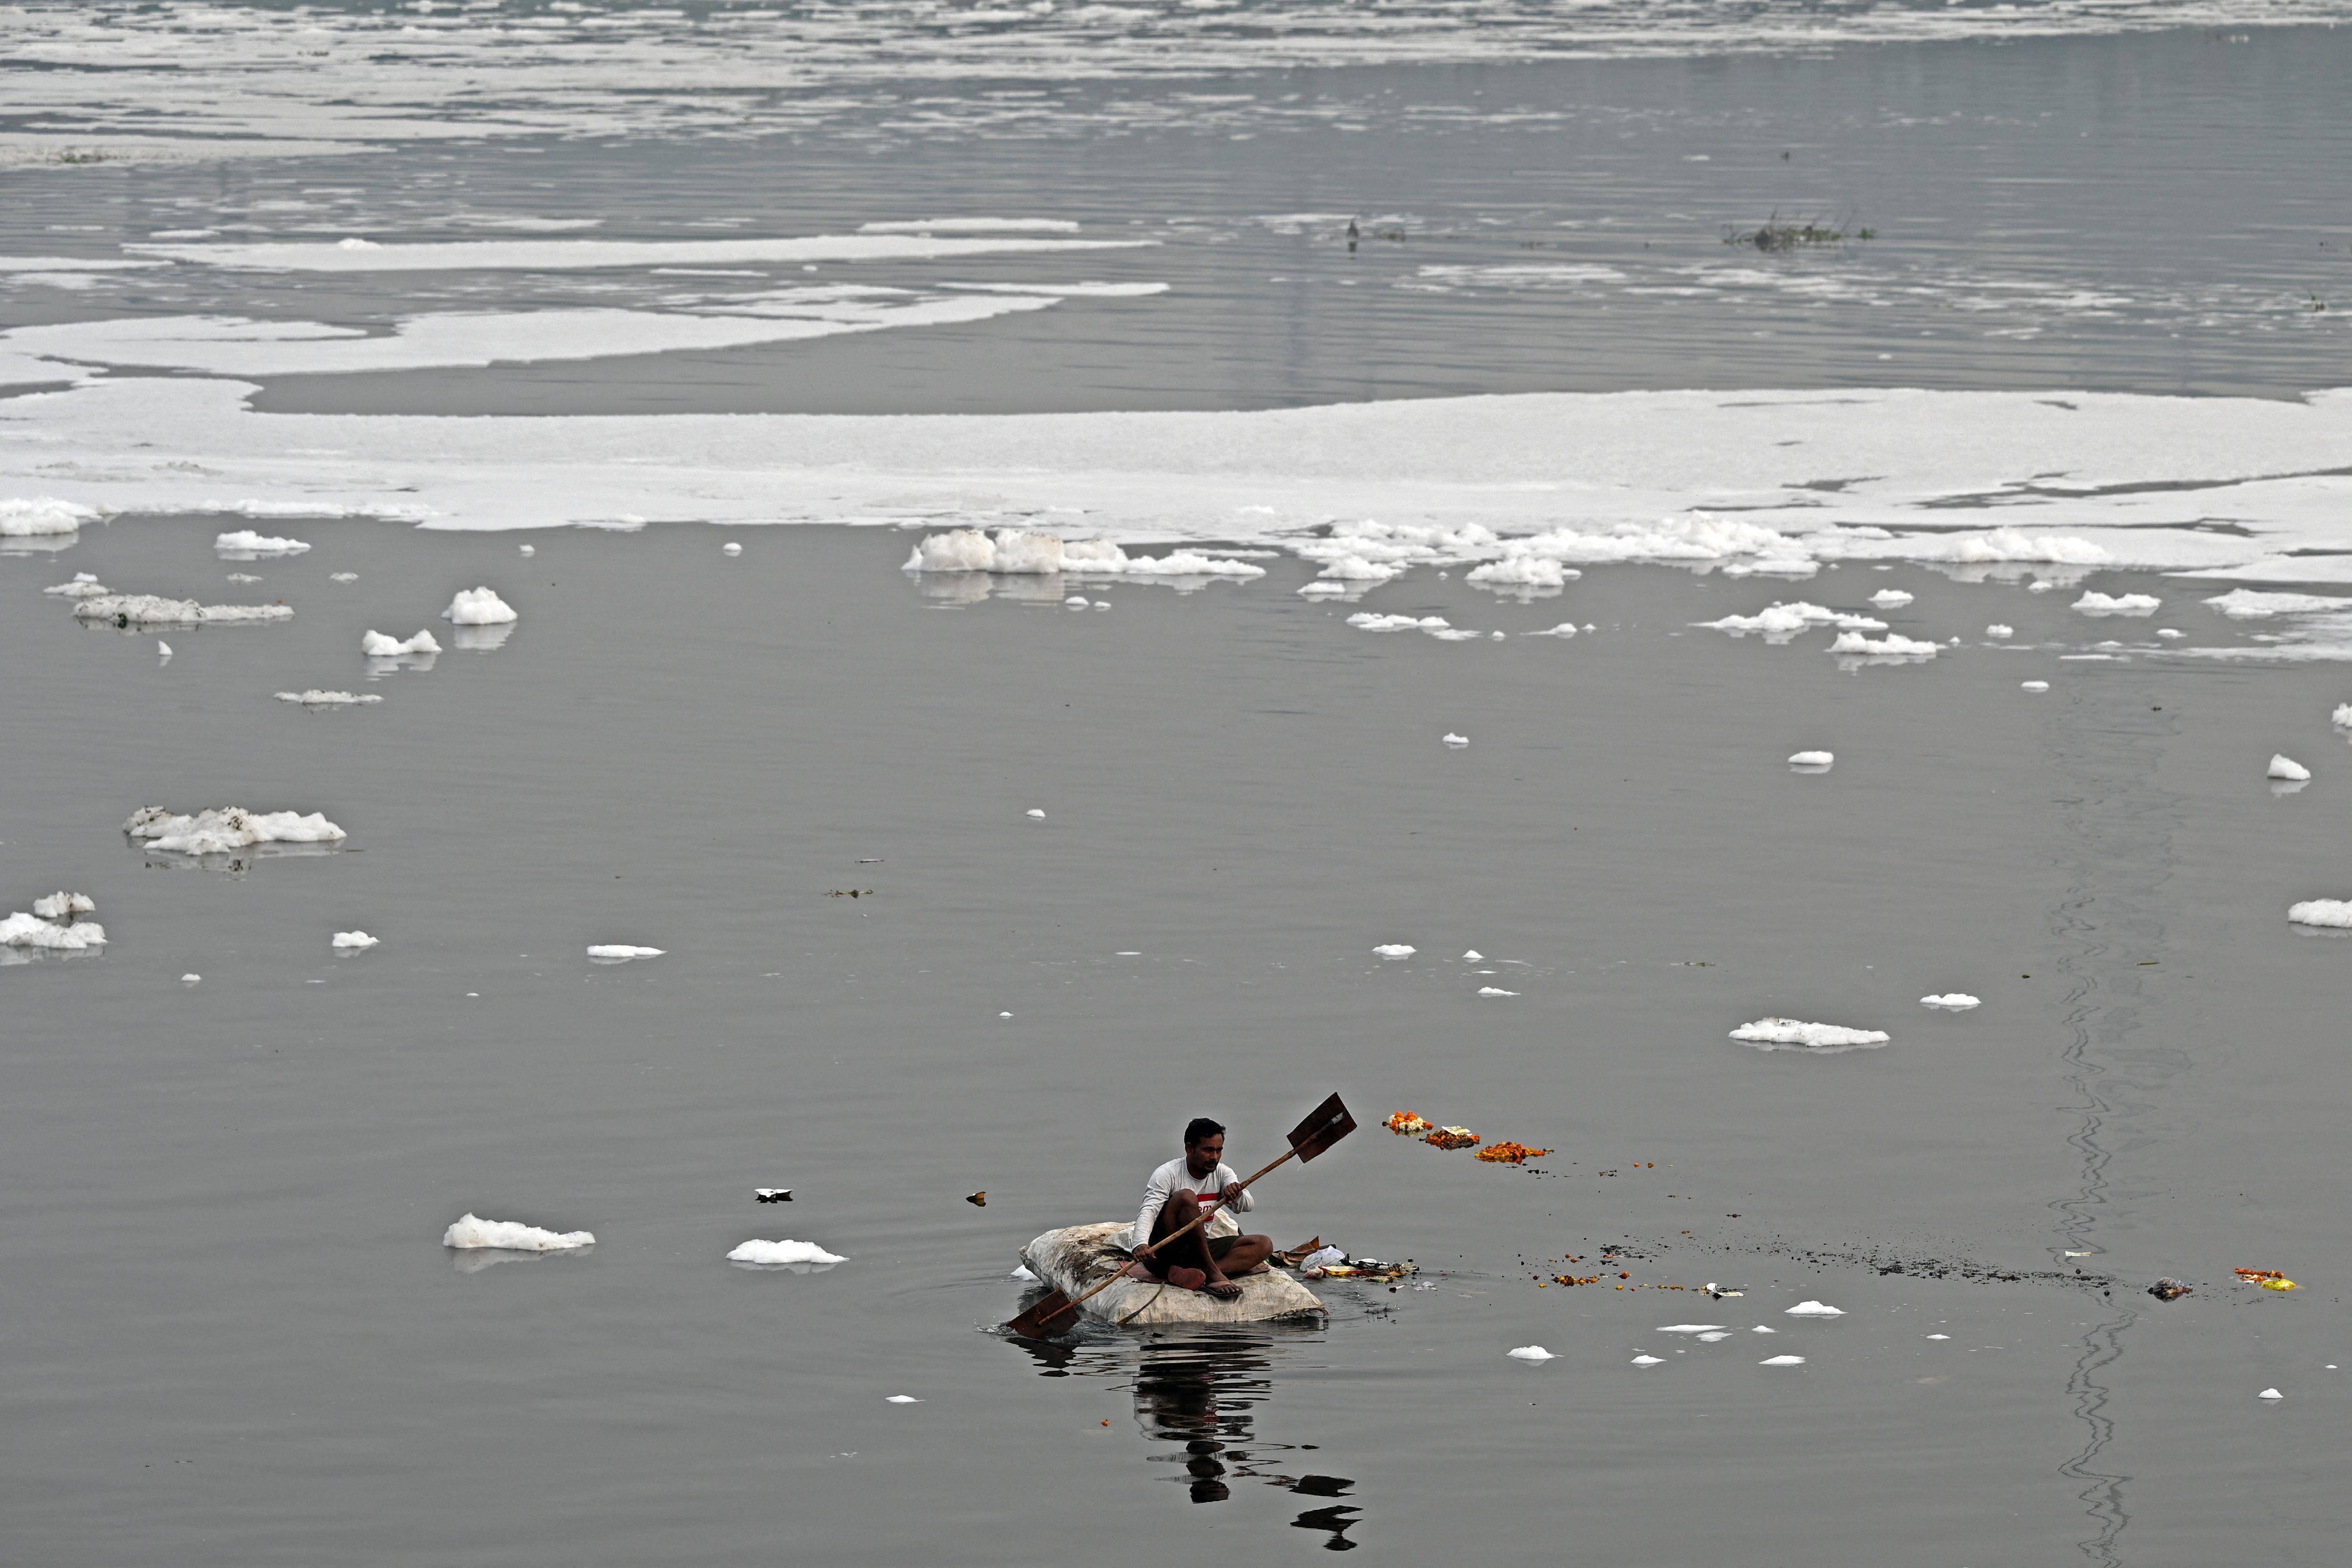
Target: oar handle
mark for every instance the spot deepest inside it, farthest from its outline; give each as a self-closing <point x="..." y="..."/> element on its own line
<point x="1187" y="1229"/>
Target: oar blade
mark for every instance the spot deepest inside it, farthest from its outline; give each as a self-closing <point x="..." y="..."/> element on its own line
<point x="1048" y="1316"/>
<point x="1325" y="1125"/>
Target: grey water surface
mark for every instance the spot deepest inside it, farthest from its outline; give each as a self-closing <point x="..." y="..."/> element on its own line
<point x="233" y="1336"/>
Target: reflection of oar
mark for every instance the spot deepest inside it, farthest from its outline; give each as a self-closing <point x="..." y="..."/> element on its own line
<point x="1325" y="1125"/>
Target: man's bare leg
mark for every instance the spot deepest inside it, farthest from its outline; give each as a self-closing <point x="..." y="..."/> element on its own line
<point x="1247" y="1255"/>
<point x="1191" y="1265"/>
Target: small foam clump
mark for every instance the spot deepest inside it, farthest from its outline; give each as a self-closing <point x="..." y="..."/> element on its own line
<point x="1020" y="553"/>
<point x="2034" y="686"/>
<point x="2000" y="632"/>
<point x="2336" y="912"/>
<point x="223" y="829"/>
<point x="1779" y="623"/>
<point x="354" y="942"/>
<point x="1812" y="758"/>
<point x="510" y="1236"/>
<point x="2119" y="605"/>
<point x="1495" y="991"/>
<point x="1892" y="645"/>
<point x="1951" y="1002"/>
<point x="1453" y="740"/>
<point x="1521" y="572"/>
<point x="40" y="515"/>
<point x="477" y="607"/>
<point x="2286" y="767"/>
<point x="1530" y="1354"/>
<point x="148" y="610"/>
<point x="619" y="950"/>
<point x="83" y="587"/>
<point x="771" y="1253"/>
<point x="1815" y="1310"/>
<point x="1395" y="950"/>
<point x="342" y="576"/>
<point x="375" y="644"/>
<point x="2342" y="717"/>
<point x="1783" y="1361"/>
<point x="730" y="547"/>
<point x="1565" y="629"/>
<point x="313" y="697"/>
<point x="246" y="542"/>
<point x="1790" y="1033"/>
<point x="55" y="925"/>
<point x="1890" y="598"/>
<point x="1364" y="620"/>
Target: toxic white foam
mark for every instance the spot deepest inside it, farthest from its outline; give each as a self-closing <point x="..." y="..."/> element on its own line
<point x="83" y="587"/>
<point x="622" y="950"/>
<point x="375" y="644"/>
<point x="477" y="607"/>
<point x="55" y="925"/>
<point x="147" y="610"/>
<point x="1812" y="758"/>
<point x="38" y="516"/>
<point x="246" y="542"/>
<point x="1890" y="598"/>
<point x="1024" y="552"/>
<point x="1779" y="623"/>
<point x="2119" y="605"/>
<point x="313" y="697"/>
<point x="771" y="1253"/>
<point x="1790" y="1034"/>
<point x="1530" y="1354"/>
<point x="354" y="942"/>
<point x="511" y="1236"/>
<point x="2284" y="767"/>
<point x="1815" y="1310"/>
<point x="1893" y="645"/>
<point x="1394" y="950"/>
<point x="2336" y="912"/>
<point x="223" y="829"/>
<point x="1783" y="1361"/>
<point x="1951" y="1002"/>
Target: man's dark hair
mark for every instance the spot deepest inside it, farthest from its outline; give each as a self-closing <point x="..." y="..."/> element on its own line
<point x="1201" y="1129"/>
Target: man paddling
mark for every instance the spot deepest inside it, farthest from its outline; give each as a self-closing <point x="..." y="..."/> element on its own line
<point x="1203" y="1259"/>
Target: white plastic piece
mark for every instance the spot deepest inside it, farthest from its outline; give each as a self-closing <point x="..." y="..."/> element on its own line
<point x="162" y="649"/>
<point x="510" y="1236"/>
<point x="1022" y="1272"/>
<point x="1783" y="1361"/>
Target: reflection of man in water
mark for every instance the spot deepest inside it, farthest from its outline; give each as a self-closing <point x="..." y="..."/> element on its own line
<point x="1203" y="1393"/>
<point x="1177" y="1194"/>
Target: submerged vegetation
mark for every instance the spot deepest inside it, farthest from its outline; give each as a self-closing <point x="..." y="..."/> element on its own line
<point x="1776" y="235"/>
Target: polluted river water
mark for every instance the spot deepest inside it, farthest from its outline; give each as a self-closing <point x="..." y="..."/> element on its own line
<point x="1767" y="670"/>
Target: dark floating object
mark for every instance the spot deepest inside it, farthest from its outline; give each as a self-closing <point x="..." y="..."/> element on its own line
<point x="979" y="1200"/>
<point x="2169" y="1290"/>
<point x="773" y="1195"/>
<point x="850" y="893"/>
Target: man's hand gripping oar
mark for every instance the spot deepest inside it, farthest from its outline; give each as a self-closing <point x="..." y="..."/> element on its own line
<point x="1055" y="1313"/>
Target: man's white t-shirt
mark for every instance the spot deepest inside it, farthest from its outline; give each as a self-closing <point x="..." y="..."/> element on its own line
<point x="1176" y="1176"/>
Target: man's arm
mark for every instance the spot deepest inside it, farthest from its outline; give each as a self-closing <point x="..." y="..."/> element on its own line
<point x="1155" y="1198"/>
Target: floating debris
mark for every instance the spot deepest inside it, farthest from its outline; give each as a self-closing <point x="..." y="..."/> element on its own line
<point x="978" y="1200"/>
<point x="1452" y="1138"/>
<point x="2165" y="1289"/>
<point x="1507" y="1153"/>
<point x="773" y="1195"/>
<point x="1408" y="1123"/>
<point x="2287" y="768"/>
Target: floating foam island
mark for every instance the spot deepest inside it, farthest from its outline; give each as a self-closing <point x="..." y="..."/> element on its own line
<point x="223" y="829"/>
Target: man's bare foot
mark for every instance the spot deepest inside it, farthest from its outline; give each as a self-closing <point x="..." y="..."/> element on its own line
<point x="1187" y="1279"/>
<point x="1224" y="1290"/>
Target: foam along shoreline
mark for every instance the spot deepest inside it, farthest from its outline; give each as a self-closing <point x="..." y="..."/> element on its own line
<point x="42" y="517"/>
<point x="234" y="345"/>
<point x="148" y="610"/>
<point x="354" y="254"/>
<point x="1577" y="478"/>
<point x="223" y="830"/>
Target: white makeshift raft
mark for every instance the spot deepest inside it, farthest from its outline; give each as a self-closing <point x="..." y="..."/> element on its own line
<point x="1077" y="1258"/>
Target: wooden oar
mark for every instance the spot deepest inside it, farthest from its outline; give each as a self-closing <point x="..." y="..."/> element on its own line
<point x="1325" y="1125"/>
